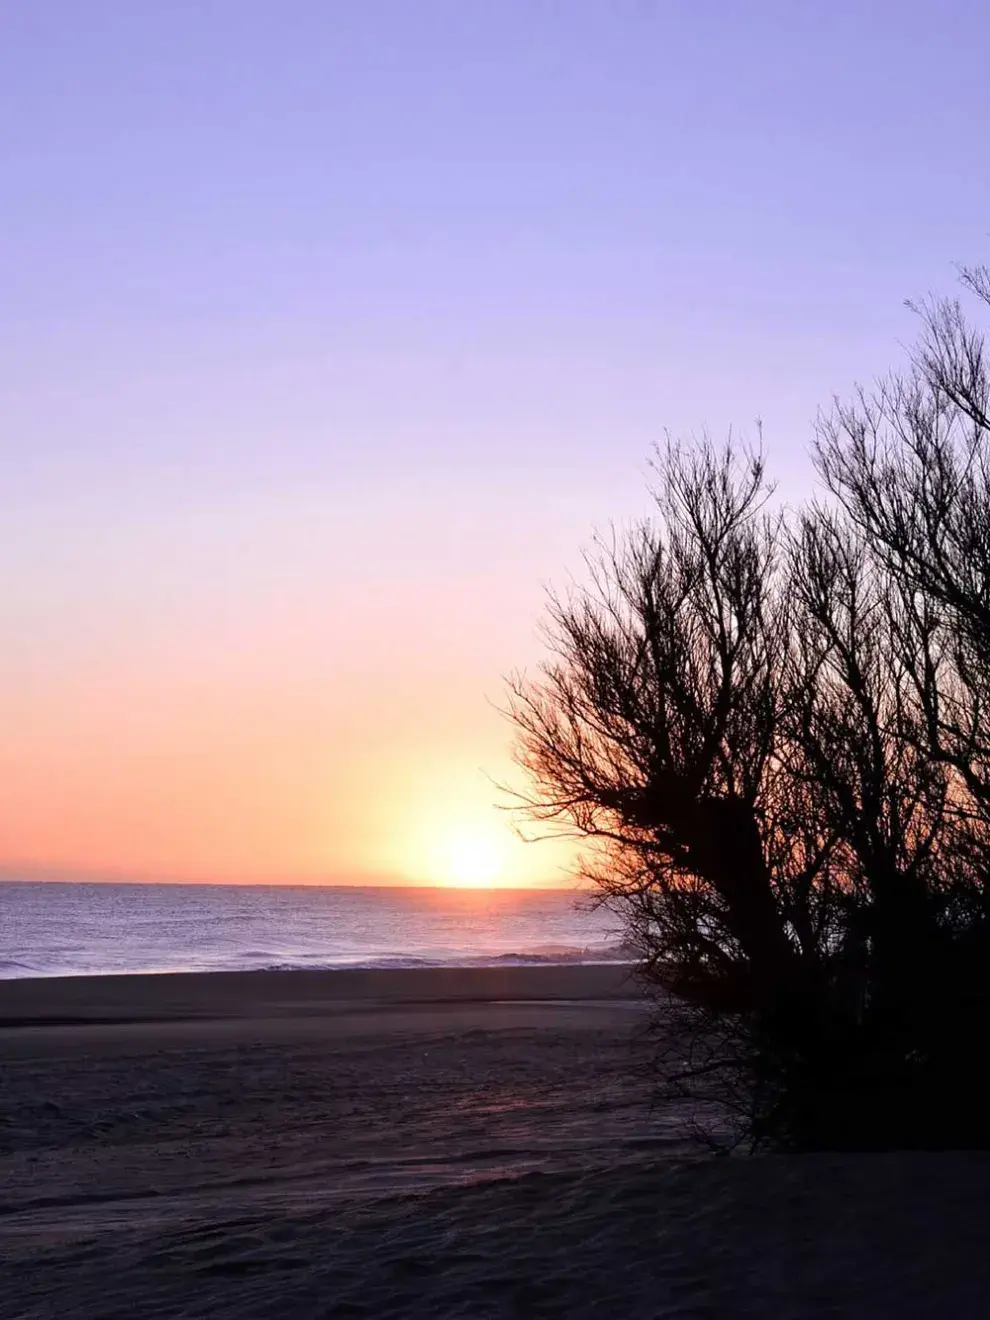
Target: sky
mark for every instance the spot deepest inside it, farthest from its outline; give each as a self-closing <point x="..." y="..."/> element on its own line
<point x="330" y="333"/>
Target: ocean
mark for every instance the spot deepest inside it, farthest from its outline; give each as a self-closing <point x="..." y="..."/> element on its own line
<point x="56" y="929"/>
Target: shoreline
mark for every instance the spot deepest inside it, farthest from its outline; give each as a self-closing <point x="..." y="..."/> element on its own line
<point x="386" y="965"/>
<point x="185" y="1010"/>
<point x="179" y="996"/>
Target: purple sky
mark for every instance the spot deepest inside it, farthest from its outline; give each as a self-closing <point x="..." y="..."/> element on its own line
<point x="330" y="330"/>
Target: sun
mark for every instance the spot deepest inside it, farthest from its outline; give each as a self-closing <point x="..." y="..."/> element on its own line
<point x="445" y="832"/>
<point x="469" y="858"/>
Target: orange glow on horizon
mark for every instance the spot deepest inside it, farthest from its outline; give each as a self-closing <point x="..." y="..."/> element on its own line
<point x="246" y="764"/>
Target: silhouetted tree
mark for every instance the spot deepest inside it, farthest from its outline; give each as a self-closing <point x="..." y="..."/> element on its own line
<point x="773" y="738"/>
<point x="658" y="734"/>
<point x="910" y="465"/>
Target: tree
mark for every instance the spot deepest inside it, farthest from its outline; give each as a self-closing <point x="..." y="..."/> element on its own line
<point x="656" y="735"/>
<point x="910" y="466"/>
<point x="771" y="735"/>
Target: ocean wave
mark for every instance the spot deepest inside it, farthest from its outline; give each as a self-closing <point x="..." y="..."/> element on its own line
<point x="545" y="957"/>
<point x="601" y="953"/>
<point x="12" y="968"/>
<point x="256" y="961"/>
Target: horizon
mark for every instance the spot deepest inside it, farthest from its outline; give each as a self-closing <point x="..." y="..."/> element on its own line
<point x="329" y="342"/>
<point x="8" y="877"/>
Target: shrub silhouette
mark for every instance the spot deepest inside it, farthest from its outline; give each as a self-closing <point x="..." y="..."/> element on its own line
<point x="771" y="732"/>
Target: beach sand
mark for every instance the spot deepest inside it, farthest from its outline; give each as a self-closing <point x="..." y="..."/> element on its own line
<point x="423" y="1143"/>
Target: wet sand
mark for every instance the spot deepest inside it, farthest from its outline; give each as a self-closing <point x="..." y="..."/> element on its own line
<point x="422" y="1143"/>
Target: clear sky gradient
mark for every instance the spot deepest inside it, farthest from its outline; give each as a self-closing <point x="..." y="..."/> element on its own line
<point x="329" y="332"/>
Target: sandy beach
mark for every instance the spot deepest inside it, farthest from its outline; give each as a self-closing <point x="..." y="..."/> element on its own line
<point x="423" y="1143"/>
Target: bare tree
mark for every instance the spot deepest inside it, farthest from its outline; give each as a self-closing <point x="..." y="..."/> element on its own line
<point x="911" y="466"/>
<point x="773" y="738"/>
<point x="658" y="734"/>
<point x="653" y="731"/>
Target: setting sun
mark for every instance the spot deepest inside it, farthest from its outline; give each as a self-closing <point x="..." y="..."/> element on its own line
<point x="468" y="857"/>
<point x="440" y="825"/>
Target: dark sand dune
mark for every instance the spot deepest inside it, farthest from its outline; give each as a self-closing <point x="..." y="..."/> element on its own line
<point x="416" y="1144"/>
